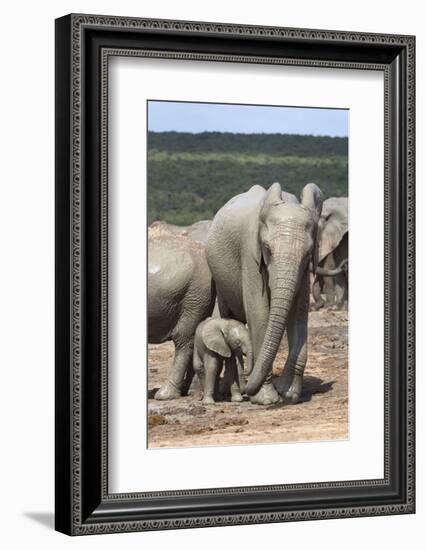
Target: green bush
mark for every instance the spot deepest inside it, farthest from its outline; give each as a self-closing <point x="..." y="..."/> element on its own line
<point x="190" y="176"/>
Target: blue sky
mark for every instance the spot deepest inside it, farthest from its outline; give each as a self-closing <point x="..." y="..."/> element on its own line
<point x="247" y="119"/>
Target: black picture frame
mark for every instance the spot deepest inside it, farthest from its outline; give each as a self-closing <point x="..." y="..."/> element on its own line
<point x="83" y="504"/>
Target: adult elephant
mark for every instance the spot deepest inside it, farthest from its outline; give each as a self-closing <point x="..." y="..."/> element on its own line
<point x="332" y="275"/>
<point x="259" y="249"/>
<point x="181" y="294"/>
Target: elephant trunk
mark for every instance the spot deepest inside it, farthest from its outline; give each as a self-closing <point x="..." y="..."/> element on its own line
<point x="247" y="351"/>
<point x="341" y="268"/>
<point x="249" y="361"/>
<point x="283" y="292"/>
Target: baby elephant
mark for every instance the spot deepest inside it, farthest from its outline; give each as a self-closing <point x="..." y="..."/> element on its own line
<point x="217" y="340"/>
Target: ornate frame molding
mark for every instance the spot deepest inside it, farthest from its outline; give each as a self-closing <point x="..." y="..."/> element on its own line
<point x="72" y="46"/>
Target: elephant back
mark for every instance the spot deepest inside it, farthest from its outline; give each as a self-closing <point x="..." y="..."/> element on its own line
<point x="198" y="231"/>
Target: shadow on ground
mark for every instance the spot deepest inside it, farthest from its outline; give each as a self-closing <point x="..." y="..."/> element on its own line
<point x="152" y="392"/>
<point x="47" y="519"/>
<point x="311" y="386"/>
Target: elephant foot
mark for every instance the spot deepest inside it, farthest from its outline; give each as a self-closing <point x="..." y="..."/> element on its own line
<point x="340" y="307"/>
<point x="167" y="391"/>
<point x="267" y="395"/>
<point x="318" y="305"/>
<point x="236" y="398"/>
<point x="289" y="386"/>
<point x="208" y="400"/>
<point x="194" y="388"/>
<point x="222" y="390"/>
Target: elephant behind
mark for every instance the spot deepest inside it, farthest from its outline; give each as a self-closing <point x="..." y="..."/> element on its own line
<point x="333" y="253"/>
<point x="259" y="249"/>
<point x="198" y="231"/>
<point x="181" y="294"/>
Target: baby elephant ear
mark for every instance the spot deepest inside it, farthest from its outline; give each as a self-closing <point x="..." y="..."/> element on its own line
<point x="215" y="340"/>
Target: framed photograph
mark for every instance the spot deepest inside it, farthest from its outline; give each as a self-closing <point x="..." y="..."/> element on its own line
<point x="215" y="363"/>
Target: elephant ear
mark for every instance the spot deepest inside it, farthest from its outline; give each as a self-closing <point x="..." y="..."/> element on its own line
<point x="335" y="225"/>
<point x="272" y="198"/>
<point x="311" y="199"/>
<point x="214" y="340"/>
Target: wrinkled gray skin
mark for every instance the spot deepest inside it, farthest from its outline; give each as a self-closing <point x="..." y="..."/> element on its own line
<point x="180" y="295"/>
<point x="333" y="255"/>
<point x="198" y="231"/>
<point x="259" y="249"/>
<point x="218" y="341"/>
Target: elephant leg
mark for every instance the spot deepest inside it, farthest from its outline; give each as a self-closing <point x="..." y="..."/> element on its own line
<point x="316" y="293"/>
<point x="329" y="288"/>
<point x="267" y="395"/>
<point x="176" y="381"/>
<point x="340" y="292"/>
<point x="199" y="371"/>
<point x="189" y="381"/>
<point x="223" y="309"/>
<point x="194" y="384"/>
<point x="346" y="296"/>
<point x="257" y="321"/>
<point x="289" y="384"/>
<point x="230" y="381"/>
<point x="211" y="373"/>
<point x="329" y="291"/>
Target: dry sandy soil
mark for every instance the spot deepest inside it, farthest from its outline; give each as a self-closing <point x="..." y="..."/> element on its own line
<point x="322" y="413"/>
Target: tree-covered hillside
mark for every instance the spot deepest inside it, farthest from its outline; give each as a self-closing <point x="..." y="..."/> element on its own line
<point x="190" y="176"/>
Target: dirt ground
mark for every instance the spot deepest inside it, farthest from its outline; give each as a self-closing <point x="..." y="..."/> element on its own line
<point x="322" y="413"/>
